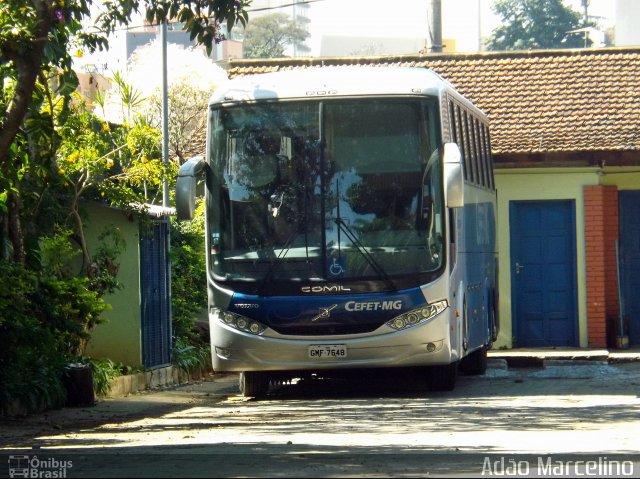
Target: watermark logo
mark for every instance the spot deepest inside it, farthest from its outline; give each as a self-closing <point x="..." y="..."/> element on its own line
<point x="549" y="467"/>
<point x="32" y="466"/>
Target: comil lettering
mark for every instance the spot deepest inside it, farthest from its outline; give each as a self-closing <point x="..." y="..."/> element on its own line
<point x="324" y="289"/>
<point x="373" y="306"/>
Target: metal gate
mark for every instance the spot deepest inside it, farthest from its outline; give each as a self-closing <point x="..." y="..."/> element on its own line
<point x="156" y="294"/>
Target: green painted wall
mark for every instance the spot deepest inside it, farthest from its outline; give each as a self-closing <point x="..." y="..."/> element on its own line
<point x="540" y="184"/>
<point x="119" y="338"/>
<point x="623" y="178"/>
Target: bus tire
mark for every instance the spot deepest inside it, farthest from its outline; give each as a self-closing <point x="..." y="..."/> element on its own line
<point x="254" y="384"/>
<point x="443" y="378"/>
<point x="475" y="363"/>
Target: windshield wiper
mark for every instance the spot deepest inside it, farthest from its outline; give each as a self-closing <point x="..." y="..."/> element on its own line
<point x="287" y="246"/>
<point x="342" y="225"/>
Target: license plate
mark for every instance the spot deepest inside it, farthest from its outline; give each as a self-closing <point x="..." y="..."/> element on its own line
<point x="328" y="351"/>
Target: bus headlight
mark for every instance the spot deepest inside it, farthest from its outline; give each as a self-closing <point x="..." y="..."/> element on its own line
<point x="417" y="316"/>
<point x="241" y="323"/>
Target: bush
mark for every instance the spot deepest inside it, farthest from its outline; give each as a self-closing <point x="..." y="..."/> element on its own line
<point x="31" y="357"/>
<point x="188" y="273"/>
<point x="103" y="372"/>
<point x="190" y="357"/>
<point x="44" y="324"/>
<point x="71" y="310"/>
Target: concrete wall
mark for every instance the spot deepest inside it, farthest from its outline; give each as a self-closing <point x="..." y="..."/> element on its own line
<point x="119" y="338"/>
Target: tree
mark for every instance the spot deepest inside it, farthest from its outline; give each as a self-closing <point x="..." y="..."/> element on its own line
<point x="192" y="80"/>
<point x="535" y="24"/>
<point x="268" y="36"/>
<point x="36" y="38"/>
<point x="97" y="160"/>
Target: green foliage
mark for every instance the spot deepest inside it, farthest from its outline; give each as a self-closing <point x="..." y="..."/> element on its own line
<point x="44" y="323"/>
<point x="535" y="24"/>
<point x="268" y="36"/>
<point x="110" y="247"/>
<point x="103" y="372"/>
<point x="57" y="253"/>
<point x="37" y="41"/>
<point x="31" y="356"/>
<point x="71" y="310"/>
<point x="188" y="272"/>
<point x="130" y="98"/>
<point x="53" y="153"/>
<point x="189" y="357"/>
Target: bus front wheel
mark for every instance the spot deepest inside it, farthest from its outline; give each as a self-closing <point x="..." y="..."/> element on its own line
<point x="254" y="384"/>
<point x="443" y="378"/>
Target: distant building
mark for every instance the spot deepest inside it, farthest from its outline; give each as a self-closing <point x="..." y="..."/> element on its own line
<point x="298" y="10"/>
<point x="626" y="28"/>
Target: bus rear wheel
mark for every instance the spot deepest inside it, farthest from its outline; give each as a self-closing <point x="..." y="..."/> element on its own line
<point x="443" y="378"/>
<point x="476" y="362"/>
<point x="254" y="384"/>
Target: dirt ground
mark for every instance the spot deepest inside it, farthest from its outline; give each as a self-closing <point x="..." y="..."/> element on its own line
<point x="328" y="428"/>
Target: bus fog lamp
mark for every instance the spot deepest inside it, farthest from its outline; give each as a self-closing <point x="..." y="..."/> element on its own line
<point x="431" y="347"/>
<point x="223" y="353"/>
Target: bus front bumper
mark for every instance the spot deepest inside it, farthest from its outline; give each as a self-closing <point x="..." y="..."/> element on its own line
<point x="425" y="344"/>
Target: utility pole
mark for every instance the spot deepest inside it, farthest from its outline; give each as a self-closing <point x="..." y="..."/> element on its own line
<point x="435" y="25"/>
<point x="165" y="112"/>
<point x="585" y="6"/>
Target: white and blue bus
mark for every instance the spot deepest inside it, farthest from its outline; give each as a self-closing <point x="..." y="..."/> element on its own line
<point x="350" y="222"/>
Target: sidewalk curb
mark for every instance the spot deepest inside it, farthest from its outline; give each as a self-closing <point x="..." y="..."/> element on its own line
<point x="539" y="358"/>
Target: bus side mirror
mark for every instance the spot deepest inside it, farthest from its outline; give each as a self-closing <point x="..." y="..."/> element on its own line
<point x="453" y="176"/>
<point x="188" y="175"/>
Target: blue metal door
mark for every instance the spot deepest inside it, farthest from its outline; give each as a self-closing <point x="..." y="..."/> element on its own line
<point x="543" y="273"/>
<point x="630" y="262"/>
<point x="156" y="299"/>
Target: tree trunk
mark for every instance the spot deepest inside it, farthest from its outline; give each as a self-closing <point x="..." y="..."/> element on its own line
<point x="27" y="66"/>
<point x="15" y="227"/>
<point x="27" y="63"/>
<point x="86" y="257"/>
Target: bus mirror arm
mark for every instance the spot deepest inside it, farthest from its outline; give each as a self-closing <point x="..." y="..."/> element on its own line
<point x="188" y="176"/>
<point x="453" y="176"/>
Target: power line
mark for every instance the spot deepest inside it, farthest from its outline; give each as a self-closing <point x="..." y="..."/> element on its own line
<point x="305" y="2"/>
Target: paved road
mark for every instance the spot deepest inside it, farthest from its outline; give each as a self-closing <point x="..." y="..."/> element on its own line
<point x="386" y="425"/>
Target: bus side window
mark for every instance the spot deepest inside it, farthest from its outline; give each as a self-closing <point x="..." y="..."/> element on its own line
<point x="482" y="163"/>
<point x="487" y="146"/>
<point x="462" y="144"/>
<point x="452" y="122"/>
<point x="469" y="150"/>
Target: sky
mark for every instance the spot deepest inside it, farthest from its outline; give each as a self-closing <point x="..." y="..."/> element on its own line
<point x="462" y="20"/>
<point x="408" y="18"/>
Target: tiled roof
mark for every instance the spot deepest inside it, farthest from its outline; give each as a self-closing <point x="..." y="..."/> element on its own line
<point x="538" y="102"/>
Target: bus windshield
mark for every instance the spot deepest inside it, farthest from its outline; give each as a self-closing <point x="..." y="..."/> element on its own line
<point x="325" y="191"/>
